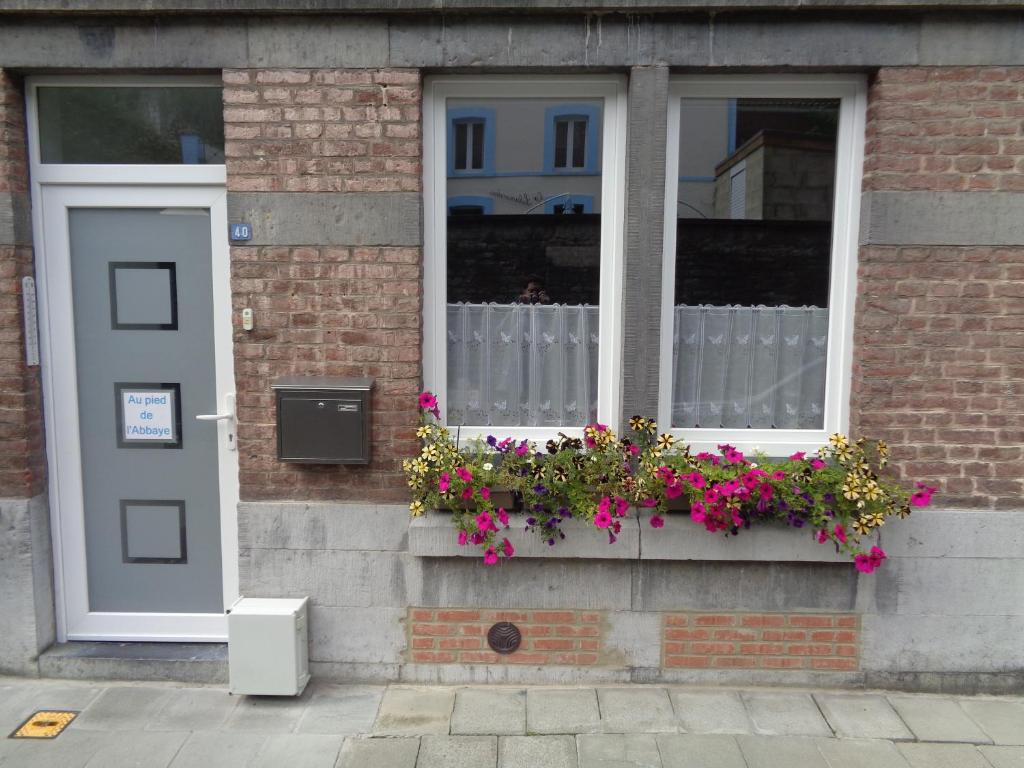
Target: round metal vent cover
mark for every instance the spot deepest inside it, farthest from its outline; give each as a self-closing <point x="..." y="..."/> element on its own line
<point x="504" y="637"/>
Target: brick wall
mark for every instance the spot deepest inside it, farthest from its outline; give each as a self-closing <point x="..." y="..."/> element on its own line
<point x="335" y="310"/>
<point x="22" y="466"/>
<point x="455" y="636"/>
<point x="822" y="642"/>
<point x="939" y="334"/>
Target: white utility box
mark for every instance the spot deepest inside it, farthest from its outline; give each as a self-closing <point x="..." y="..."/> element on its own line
<point x="268" y="646"/>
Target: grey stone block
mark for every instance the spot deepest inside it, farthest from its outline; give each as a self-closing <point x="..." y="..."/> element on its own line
<point x="136" y="662"/>
<point x="682" y="539"/>
<point x="346" y="710"/>
<point x="224" y="750"/>
<point x="636" y="710"/>
<point x="1001" y="719"/>
<point x="700" y="751"/>
<point x="374" y="635"/>
<point x="788" y="751"/>
<point x="946" y="644"/>
<point x="632" y="639"/>
<point x="21" y="698"/>
<point x="379" y="753"/>
<point x="746" y="586"/>
<point x="1003" y="757"/>
<point x="74" y="749"/>
<point x="632" y="750"/>
<point x="483" y="711"/>
<point x="583" y="583"/>
<point x="298" y="751"/>
<point x="435" y="535"/>
<point x="329" y="218"/>
<point x="862" y="717"/>
<point x="951" y="587"/>
<point x="326" y="42"/>
<point x="193" y="709"/>
<point x="267" y="714"/>
<point x="359" y="672"/>
<point x="458" y="752"/>
<point x="123" y="709"/>
<point x="554" y="711"/>
<point x="860" y="753"/>
<point x="710" y="711"/>
<point x="947" y="40"/>
<point x="951" y="534"/>
<point x="942" y="218"/>
<point x="511" y="674"/>
<point x="305" y="525"/>
<point x="414" y="711"/>
<point x="942" y="756"/>
<point x="536" y="752"/>
<point x="138" y="749"/>
<point x="936" y="719"/>
<point x="785" y="714"/>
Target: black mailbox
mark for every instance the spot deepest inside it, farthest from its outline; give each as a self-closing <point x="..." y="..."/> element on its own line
<point x="323" y="419"/>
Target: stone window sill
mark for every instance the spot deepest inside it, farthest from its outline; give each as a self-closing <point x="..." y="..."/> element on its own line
<point x="434" y="535"/>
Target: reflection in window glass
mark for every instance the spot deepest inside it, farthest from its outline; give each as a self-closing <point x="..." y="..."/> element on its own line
<point x="131" y="125"/>
<point x="523" y="269"/>
<point x="753" y="254"/>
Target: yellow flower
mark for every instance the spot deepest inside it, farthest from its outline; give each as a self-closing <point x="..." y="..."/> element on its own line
<point x="877" y="519"/>
<point x="850" y="492"/>
<point x="861" y="526"/>
<point x="837" y="440"/>
<point x="416" y="508"/>
<point x="883" y="449"/>
<point x="665" y="441"/>
<point x="420" y="467"/>
<point x="423" y="431"/>
<point x="652" y="426"/>
<point x="842" y="453"/>
<point x="871" y="491"/>
<point x="903" y="512"/>
<point x="430" y="453"/>
<point x="638" y="423"/>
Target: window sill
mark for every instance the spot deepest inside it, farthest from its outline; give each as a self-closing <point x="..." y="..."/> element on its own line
<point x="435" y="535"/>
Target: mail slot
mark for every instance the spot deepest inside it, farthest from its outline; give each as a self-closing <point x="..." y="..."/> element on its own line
<point x="323" y="419"/>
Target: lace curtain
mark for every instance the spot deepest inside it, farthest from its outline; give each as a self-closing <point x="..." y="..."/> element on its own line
<point x="536" y="365"/>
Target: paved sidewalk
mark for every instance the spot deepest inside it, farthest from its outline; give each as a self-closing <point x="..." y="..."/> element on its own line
<point x="400" y="726"/>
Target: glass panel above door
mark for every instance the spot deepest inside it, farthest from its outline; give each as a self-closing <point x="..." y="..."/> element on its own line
<point x="131" y="125"/>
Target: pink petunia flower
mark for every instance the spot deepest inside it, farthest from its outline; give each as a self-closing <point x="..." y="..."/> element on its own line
<point x="603" y="519"/>
<point x="817" y="464"/>
<point x="503" y="516"/>
<point x="507" y="547"/>
<point x="649" y="503"/>
<point x="634" y="449"/>
<point x="523" y="448"/>
<point x="657" y="521"/>
<point x="445" y="482"/>
<point x="674" y="490"/>
<point x="428" y="401"/>
<point x="863" y="563"/>
<point x="697" y="512"/>
<point x="923" y="496"/>
<point x="490" y="556"/>
<point x="840" y="534"/>
<point x="485" y="493"/>
<point x="604" y="505"/>
<point x="464" y="474"/>
<point x="463" y="538"/>
<point x="621" y="506"/>
<point x="696" y="479"/>
<point x="822" y="536"/>
<point x="484" y="522"/>
<point x="467" y="494"/>
<point x="778" y="475"/>
<point x="798" y="456"/>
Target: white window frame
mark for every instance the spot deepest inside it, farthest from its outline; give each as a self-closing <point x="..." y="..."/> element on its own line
<point x="851" y="90"/>
<point x="610" y="88"/>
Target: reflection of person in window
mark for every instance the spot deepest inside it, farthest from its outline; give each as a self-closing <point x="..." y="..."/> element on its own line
<point x="534" y="292"/>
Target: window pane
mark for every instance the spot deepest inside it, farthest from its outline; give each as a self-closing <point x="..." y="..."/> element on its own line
<point x="579" y="143"/>
<point x="478" y="145"/>
<point x="167" y="126"/>
<point x="460" y="146"/>
<point x="753" y="255"/>
<point x="523" y="281"/>
<point x="561" y="143"/>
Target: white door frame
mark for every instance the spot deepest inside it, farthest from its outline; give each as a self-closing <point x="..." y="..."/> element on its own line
<point x="55" y="188"/>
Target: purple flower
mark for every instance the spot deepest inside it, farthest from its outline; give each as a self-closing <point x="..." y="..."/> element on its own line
<point x="539" y="489"/>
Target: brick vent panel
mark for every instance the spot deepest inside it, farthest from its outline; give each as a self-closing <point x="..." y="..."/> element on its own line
<point x="815" y="642"/>
<point x="459" y="636"/>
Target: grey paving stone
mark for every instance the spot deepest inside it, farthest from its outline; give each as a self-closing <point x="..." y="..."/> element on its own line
<point x="266" y="714"/>
<point x="942" y="756"/>
<point x="379" y="753"/>
<point x="346" y="710"/>
<point x="570" y="710"/>
<point x="636" y="710"/>
<point x="862" y="717"/>
<point x="18" y="700"/>
<point x="122" y="709"/>
<point x="137" y="750"/>
<point x="936" y="719"/>
<point x="710" y="712"/>
<point x="193" y="709"/>
<point x="782" y="752"/>
<point x="73" y="749"/>
<point x="1003" y="757"/>
<point x="700" y="751"/>
<point x="489" y="711"/>
<point x="537" y="752"/>
<point x="785" y="714"/>
<point x="861" y="753"/>
<point x="1001" y="719"/>
<point x="224" y="750"/>
<point x="606" y="750"/>
<point x="414" y="711"/>
<point x="458" y="752"/>
<point x="298" y="751"/>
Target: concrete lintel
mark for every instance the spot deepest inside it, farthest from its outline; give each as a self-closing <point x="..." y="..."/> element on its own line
<point x="329" y="218"/>
<point x="435" y="535"/>
<point x="15" y="218"/>
<point x="942" y="218"/>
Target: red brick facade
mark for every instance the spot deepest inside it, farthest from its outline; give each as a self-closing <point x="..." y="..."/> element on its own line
<point x="22" y="463"/>
<point x="818" y="642"/>
<point x="326" y="310"/>
<point x="939" y="331"/>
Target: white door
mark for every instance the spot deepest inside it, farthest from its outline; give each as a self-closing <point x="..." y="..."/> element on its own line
<point x="136" y="333"/>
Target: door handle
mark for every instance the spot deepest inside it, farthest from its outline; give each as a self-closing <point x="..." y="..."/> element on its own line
<point x="228" y="416"/>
